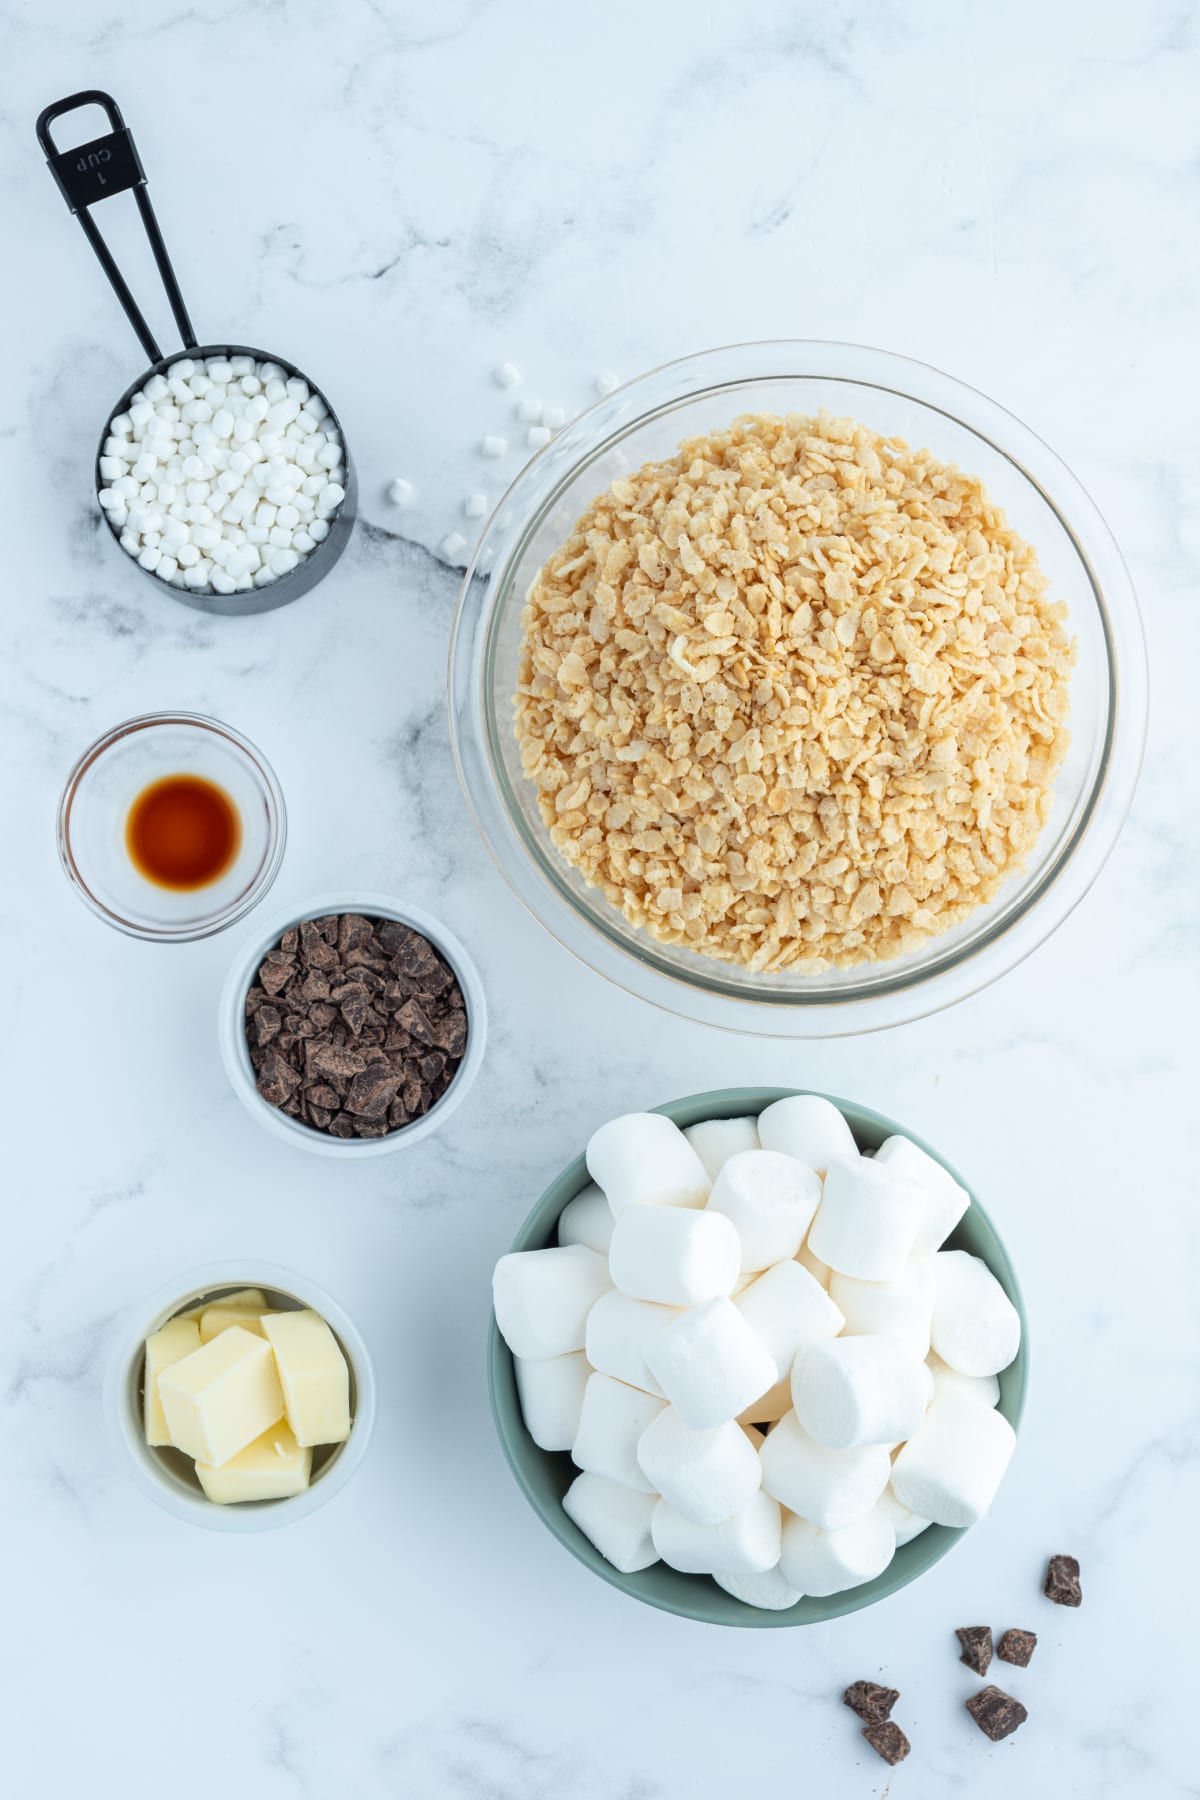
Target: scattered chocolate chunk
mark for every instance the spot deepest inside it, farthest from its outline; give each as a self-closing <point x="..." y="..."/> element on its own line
<point x="1017" y="1647"/>
<point x="870" y="1701"/>
<point x="976" y="1641"/>
<point x="1062" y="1581"/>
<point x="996" y="1713"/>
<point x="887" y="1740"/>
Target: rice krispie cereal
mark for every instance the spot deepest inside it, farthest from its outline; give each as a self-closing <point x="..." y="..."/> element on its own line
<point x="795" y="696"/>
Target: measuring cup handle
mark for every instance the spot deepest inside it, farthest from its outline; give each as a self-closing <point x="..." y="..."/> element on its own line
<point x="90" y="173"/>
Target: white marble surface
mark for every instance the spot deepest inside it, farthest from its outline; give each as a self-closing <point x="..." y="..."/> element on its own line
<point x="399" y="196"/>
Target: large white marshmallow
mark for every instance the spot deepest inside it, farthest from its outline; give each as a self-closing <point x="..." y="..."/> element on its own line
<point x="611" y="1420"/>
<point x="983" y="1388"/>
<point x="821" y="1562"/>
<point x="946" y="1201"/>
<point x="551" y="1394"/>
<point x="830" y="1488"/>
<point x="808" y="1127"/>
<point x="849" y="1391"/>
<point x="673" y="1255"/>
<point x="587" y="1219"/>
<point x="543" y="1297"/>
<point x="747" y="1544"/>
<point x="905" y="1524"/>
<point x="644" y="1159"/>
<point x="820" y="1271"/>
<point x="615" y="1519"/>
<point x="867" y="1219"/>
<point x="950" y="1468"/>
<point x="618" y="1332"/>
<point x="976" y="1328"/>
<point x="707" y="1476"/>
<point x="772" y="1200"/>
<point x="770" y="1592"/>
<point x="710" y="1364"/>
<point x="787" y="1307"/>
<point x="901" y="1309"/>
<point x="716" y="1140"/>
<point x="769" y="1406"/>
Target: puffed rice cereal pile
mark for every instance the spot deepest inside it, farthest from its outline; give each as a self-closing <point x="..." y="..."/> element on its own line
<point x="794" y="697"/>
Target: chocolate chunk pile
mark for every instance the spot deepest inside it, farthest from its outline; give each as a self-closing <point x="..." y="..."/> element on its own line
<point x="355" y="1026"/>
<point x="874" y="1704"/>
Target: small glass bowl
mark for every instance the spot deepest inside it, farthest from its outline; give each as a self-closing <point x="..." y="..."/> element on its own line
<point x="94" y="809"/>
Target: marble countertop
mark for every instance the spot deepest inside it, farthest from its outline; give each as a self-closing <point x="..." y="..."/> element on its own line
<point x="400" y="196"/>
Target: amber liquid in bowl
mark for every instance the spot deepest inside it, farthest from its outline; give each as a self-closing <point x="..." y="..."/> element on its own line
<point x="183" y="832"/>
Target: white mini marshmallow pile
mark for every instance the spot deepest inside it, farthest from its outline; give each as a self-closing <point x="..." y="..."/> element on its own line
<point x="223" y="475"/>
<point x="761" y="1276"/>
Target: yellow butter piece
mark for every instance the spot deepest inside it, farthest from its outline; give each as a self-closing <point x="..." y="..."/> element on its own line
<point x="313" y="1375"/>
<point x="273" y="1467"/>
<point x="221" y="1397"/>
<point x="252" y="1299"/>
<point x="221" y="1316"/>
<point x="177" y="1339"/>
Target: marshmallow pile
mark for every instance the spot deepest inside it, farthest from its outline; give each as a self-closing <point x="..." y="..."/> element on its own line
<point x="223" y="475"/>
<point x="757" y="1353"/>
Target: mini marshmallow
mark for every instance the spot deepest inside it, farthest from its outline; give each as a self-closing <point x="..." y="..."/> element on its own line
<point x="620" y="1331"/>
<point x="615" y="1519"/>
<point x="507" y="375"/>
<point x="543" y="1297"/>
<point x="976" y="1328"/>
<point x="905" y="1525"/>
<point x="821" y="1271"/>
<point x="551" y="1394"/>
<point x="849" y="1391"/>
<point x="950" y="1468"/>
<point x="611" y="1421"/>
<point x="747" y="1544"/>
<point x="643" y="1158"/>
<point x="769" y="1592"/>
<point x="452" y="549"/>
<point x="537" y="436"/>
<point x="493" y="445"/>
<point x="983" y="1388"/>
<point x="771" y="1199"/>
<point x="820" y="1562"/>
<point x="901" y="1309"/>
<point x="867" y="1219"/>
<point x="708" y="1361"/>
<point x="831" y="1488"/>
<point x="769" y="1407"/>
<point x="716" y="1140"/>
<point x="529" y="412"/>
<point x="807" y="1127"/>
<point x="788" y="1308"/>
<point x="946" y="1201"/>
<point x="606" y="382"/>
<point x="587" y="1219"/>
<point x="401" y="492"/>
<point x="707" y="1476"/>
<point x="475" y="506"/>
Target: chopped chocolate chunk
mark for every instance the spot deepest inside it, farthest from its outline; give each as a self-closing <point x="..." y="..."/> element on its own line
<point x="370" y="1128"/>
<point x="996" y="1713"/>
<point x="354" y="1004"/>
<point x="372" y="1092"/>
<point x="432" y="1065"/>
<point x="274" y="977"/>
<point x="342" y="1126"/>
<point x="289" y="943"/>
<point x="413" y="1019"/>
<point x="976" y="1641"/>
<point x="1062" y="1581"/>
<point x="266" y="1024"/>
<point x="254" y="1000"/>
<point x="277" y="1080"/>
<point x="452" y="1034"/>
<point x="887" y="1740"/>
<point x="321" y="1094"/>
<point x="1017" y="1647"/>
<point x="315" y="985"/>
<point x="326" y="1058"/>
<point x="354" y="932"/>
<point x="870" y="1701"/>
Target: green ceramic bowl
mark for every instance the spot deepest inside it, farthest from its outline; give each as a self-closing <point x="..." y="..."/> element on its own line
<point x="544" y="1477"/>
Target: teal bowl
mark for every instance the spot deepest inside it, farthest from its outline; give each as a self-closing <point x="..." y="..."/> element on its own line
<point x="544" y="1477"/>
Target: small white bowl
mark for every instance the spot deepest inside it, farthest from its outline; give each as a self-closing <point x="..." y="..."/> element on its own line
<point x="235" y="1051"/>
<point x="165" y="1474"/>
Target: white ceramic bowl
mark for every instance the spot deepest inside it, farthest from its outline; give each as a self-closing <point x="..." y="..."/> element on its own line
<point x="166" y="1475"/>
<point x="235" y="1052"/>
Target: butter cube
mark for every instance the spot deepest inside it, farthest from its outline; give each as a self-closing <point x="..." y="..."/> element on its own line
<point x="221" y="1397"/>
<point x="177" y="1339"/>
<point x="251" y="1299"/>
<point x="313" y="1375"/>
<point x="219" y="1317"/>
<point x="273" y="1467"/>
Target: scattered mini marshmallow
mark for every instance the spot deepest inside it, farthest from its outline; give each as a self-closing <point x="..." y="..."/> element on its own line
<point x="787" y="1308"/>
<point x="612" y="1419"/>
<point x="831" y="1488"/>
<point x="821" y="1562"/>
<point x="771" y="1199"/>
<point x="716" y="1140"/>
<point x="976" y="1327"/>
<point x="708" y="1361"/>
<point x="644" y="1158"/>
<point x="950" y="1468"/>
<point x="905" y="1524"/>
<point x="808" y="1127"/>
<point x="543" y="1297"/>
<point x="619" y="1333"/>
<point x="615" y="1519"/>
<point x="554" y="418"/>
<point x="453" y="550"/>
<point x="507" y="375"/>
<point x="946" y="1200"/>
<point x="587" y="1219"/>
<point x="673" y="1255"/>
<point x="769" y="1592"/>
<point x="849" y="1391"/>
<point x="747" y="1544"/>
<point x="769" y="1407"/>
<point x="551" y="1394"/>
<point x="820" y="1270"/>
<point x="983" y="1388"/>
<point x="529" y="412"/>
<point x="401" y="492"/>
<point x="537" y="436"/>
<point x="475" y="506"/>
<point x="867" y="1219"/>
<point x="707" y="1476"/>
<point x="492" y="445"/>
<point x="901" y="1309"/>
<point x="606" y="382"/>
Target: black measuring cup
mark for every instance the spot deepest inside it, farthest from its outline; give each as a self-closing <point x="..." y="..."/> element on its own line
<point x="92" y="172"/>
